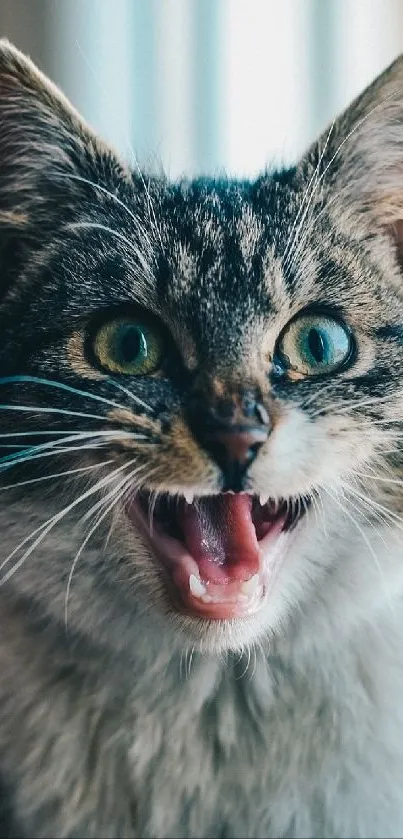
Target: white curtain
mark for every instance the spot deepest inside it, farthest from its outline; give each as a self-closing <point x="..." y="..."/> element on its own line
<point x="205" y="86"/>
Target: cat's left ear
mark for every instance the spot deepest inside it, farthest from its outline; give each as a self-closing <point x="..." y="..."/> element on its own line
<point x="44" y="146"/>
<point x="360" y="158"/>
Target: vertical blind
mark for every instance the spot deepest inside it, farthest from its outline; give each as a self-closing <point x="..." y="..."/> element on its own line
<point x="205" y="86"/>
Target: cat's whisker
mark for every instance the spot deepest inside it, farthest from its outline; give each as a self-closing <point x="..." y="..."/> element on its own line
<point x="379" y="478"/>
<point x="375" y="505"/>
<point x="347" y="493"/>
<point x="183" y="665"/>
<point x="151" y="509"/>
<point x="305" y="404"/>
<point x="100" y="188"/>
<point x="72" y="438"/>
<point x="53" y="383"/>
<point x="130" y="394"/>
<point x="307" y="198"/>
<point x="94" y="225"/>
<point x="55" y="475"/>
<point x="39" y="433"/>
<point x="190" y="661"/>
<point x="151" y="211"/>
<point x="13" y="446"/>
<point x="319" y="499"/>
<point x="57" y="432"/>
<point x="54" y="453"/>
<point x="254" y="663"/>
<point x="128" y="479"/>
<point x="248" y="653"/>
<point x="116" y="494"/>
<point x="39" y="409"/>
<point x="347" y="407"/>
<point x="100" y="438"/>
<point x="316" y="510"/>
<point x="45" y="527"/>
<point x="365" y="539"/>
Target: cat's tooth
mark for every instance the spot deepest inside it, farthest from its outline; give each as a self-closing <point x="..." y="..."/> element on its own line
<point x="196" y="586"/>
<point x="189" y="496"/>
<point x="250" y="586"/>
<point x="263" y="498"/>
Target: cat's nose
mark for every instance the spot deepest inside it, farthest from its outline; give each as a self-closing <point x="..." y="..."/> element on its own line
<point x="232" y="432"/>
<point x="234" y="449"/>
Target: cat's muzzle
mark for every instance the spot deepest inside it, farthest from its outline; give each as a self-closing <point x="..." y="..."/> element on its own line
<point x="221" y="553"/>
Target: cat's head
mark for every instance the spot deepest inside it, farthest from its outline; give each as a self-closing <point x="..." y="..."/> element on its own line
<point x="232" y="351"/>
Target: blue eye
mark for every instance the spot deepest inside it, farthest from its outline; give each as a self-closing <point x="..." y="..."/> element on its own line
<point x="314" y="344"/>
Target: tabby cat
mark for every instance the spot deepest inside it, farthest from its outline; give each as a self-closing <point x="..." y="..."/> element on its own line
<point x="201" y="426"/>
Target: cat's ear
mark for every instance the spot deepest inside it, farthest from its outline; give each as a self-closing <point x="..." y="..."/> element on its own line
<point x="360" y="158"/>
<point x="43" y="142"/>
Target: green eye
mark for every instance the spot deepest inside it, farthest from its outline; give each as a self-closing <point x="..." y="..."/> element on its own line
<point x="314" y="344"/>
<point x="128" y="346"/>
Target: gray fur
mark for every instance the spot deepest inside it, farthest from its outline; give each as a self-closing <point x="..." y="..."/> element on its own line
<point x="119" y="717"/>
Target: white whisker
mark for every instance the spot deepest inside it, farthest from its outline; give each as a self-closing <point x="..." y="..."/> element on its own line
<point x="365" y="540"/>
<point x="54" y="453"/>
<point x="55" y="475"/>
<point x="116" y="494"/>
<point x="93" y="225"/>
<point x="305" y="204"/>
<point x="102" y="189"/>
<point x="60" y="386"/>
<point x="45" y="527"/>
<point x="37" y="409"/>
<point x="72" y="438"/>
<point x="131" y="395"/>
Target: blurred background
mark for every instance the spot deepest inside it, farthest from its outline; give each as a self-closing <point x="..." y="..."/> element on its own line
<point x="202" y="86"/>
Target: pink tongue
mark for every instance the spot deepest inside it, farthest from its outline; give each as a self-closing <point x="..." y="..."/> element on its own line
<point x="219" y="533"/>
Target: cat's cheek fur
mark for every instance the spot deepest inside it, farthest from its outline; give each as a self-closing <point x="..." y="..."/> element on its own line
<point x="304" y="453"/>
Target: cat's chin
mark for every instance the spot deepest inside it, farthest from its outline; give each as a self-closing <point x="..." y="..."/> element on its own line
<point x="221" y="553"/>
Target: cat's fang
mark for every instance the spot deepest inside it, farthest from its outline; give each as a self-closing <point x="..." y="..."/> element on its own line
<point x="250" y="586"/>
<point x="196" y="586"/>
<point x="263" y="498"/>
<point x="189" y="496"/>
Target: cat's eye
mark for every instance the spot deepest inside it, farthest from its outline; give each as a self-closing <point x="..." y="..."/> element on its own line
<point x="128" y="346"/>
<point x="314" y="344"/>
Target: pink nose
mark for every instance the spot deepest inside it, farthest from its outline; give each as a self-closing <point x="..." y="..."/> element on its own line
<point x="232" y="430"/>
<point x="235" y="446"/>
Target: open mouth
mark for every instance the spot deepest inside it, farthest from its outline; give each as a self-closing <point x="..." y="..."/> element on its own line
<point x="221" y="552"/>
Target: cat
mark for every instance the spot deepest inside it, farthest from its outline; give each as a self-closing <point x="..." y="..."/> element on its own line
<point x="201" y="483"/>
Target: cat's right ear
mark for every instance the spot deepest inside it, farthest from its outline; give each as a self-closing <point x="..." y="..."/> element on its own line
<point x="44" y="146"/>
<point x="359" y="160"/>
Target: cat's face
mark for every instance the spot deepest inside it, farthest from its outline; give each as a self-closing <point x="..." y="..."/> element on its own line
<point x="232" y="352"/>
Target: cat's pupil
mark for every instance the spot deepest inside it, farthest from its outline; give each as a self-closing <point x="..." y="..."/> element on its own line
<point x="131" y="343"/>
<point x="316" y="345"/>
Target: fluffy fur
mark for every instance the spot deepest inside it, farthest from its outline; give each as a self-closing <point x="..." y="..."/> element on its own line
<point x="119" y="716"/>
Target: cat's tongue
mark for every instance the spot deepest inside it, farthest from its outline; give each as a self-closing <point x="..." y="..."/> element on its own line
<point x="219" y="552"/>
<point x="220" y="535"/>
